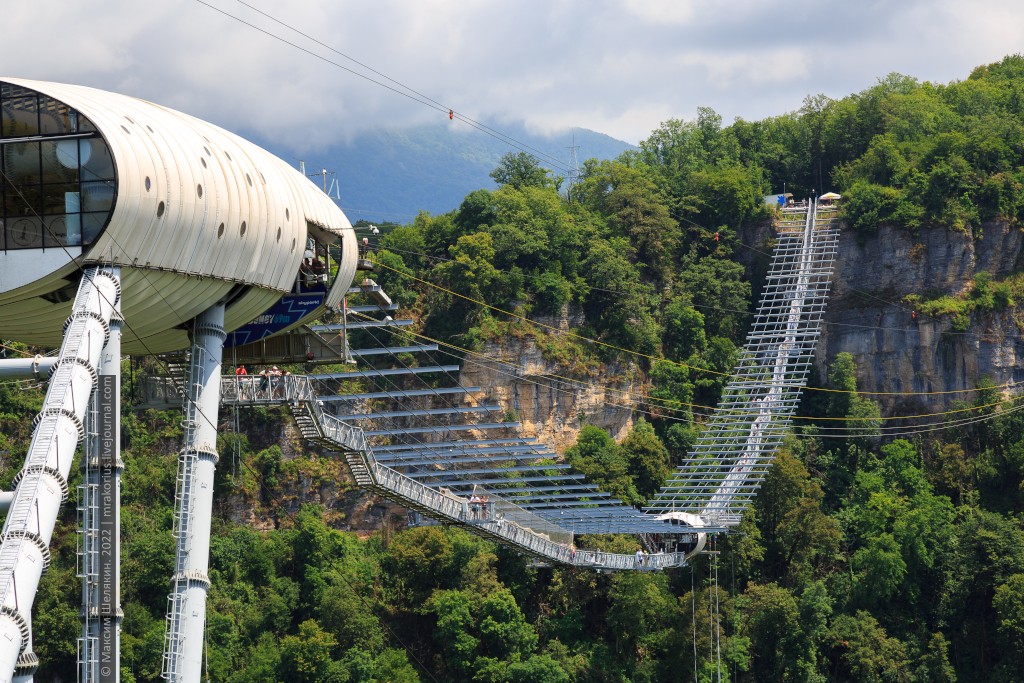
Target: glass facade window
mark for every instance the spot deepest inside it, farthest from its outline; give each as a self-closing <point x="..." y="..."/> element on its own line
<point x="57" y="178"/>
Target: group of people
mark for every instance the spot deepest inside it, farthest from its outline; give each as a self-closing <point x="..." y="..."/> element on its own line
<point x="312" y="271"/>
<point x="269" y="385"/>
<point x="479" y="507"/>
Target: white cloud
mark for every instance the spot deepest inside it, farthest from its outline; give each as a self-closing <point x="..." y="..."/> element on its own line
<point x="662" y="11"/>
<point x="618" y="66"/>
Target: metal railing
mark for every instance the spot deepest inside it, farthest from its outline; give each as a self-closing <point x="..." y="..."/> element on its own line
<point x="733" y="454"/>
<point x="496" y="517"/>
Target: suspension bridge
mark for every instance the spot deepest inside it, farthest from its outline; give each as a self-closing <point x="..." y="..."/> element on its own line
<point x="157" y="253"/>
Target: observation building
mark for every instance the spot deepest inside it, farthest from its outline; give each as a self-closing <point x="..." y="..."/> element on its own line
<point x="191" y="213"/>
<point x="130" y="228"/>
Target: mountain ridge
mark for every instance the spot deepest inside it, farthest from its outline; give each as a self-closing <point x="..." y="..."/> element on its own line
<point x="391" y="174"/>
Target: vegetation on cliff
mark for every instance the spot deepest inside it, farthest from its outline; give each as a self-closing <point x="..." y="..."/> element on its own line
<point x="863" y="559"/>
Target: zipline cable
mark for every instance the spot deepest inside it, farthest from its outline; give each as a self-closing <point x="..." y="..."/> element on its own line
<point x="404" y="91"/>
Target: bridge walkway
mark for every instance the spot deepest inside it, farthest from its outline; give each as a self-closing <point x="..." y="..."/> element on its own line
<point x="722" y="473"/>
<point x="498" y="519"/>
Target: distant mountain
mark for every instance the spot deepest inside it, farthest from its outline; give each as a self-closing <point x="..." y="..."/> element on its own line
<point x="390" y="175"/>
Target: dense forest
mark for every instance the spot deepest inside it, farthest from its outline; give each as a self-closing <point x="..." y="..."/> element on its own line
<point x="864" y="558"/>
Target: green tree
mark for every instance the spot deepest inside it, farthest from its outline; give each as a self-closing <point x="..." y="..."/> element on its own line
<point x="1008" y="602"/>
<point x="772" y="622"/>
<point x="863" y="651"/>
<point x="724" y="283"/>
<point x="684" y="329"/>
<point x="798" y="535"/>
<point x="307" y="656"/>
<point x="647" y="457"/>
<point x="597" y="456"/>
<point x="521" y="169"/>
<point x="634" y="208"/>
<point x="480" y="632"/>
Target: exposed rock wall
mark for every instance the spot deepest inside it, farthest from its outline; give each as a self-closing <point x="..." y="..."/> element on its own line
<point x="898" y="350"/>
<point x="544" y="400"/>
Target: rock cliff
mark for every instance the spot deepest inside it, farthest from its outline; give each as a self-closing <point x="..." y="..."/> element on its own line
<point x="898" y="349"/>
<point x="550" y="400"/>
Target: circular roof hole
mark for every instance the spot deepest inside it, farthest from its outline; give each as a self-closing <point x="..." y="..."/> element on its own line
<point x="207" y="150"/>
<point x="243" y="228"/>
<point x="129" y="119"/>
<point x="199" y="190"/>
<point x="279" y="233"/>
<point x="262" y="177"/>
<point x="148" y="183"/>
<point x="160" y="210"/>
<point x="125" y="129"/>
<point x="220" y="231"/>
<point x="228" y="155"/>
<point x="150" y="128"/>
<point x="202" y="160"/>
<point x="248" y="179"/>
<point x="293" y="244"/>
<point x="287" y="214"/>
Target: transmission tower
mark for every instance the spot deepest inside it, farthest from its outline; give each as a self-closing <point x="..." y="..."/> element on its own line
<point x="574" y="166"/>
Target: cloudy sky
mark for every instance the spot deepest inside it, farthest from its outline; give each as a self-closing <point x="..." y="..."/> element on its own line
<point x="283" y="69"/>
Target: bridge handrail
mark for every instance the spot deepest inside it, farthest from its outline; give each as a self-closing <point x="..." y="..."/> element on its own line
<point x="501" y="519"/>
<point x="266" y="389"/>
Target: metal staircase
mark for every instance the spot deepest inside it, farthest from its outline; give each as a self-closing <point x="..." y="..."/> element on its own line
<point x="42" y="485"/>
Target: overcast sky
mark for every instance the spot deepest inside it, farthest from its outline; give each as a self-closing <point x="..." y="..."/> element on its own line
<point x="616" y="66"/>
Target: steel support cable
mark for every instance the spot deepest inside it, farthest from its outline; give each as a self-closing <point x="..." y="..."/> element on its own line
<point x="713" y="409"/>
<point x="655" y="358"/>
<point x="842" y="432"/>
<point x="27" y="354"/>
<point x="504" y="138"/>
<point x="405" y="92"/>
<point x="924" y="429"/>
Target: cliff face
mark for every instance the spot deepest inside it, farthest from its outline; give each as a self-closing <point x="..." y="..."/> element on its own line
<point x="899" y="350"/>
<point x="896" y="348"/>
<point x="543" y="397"/>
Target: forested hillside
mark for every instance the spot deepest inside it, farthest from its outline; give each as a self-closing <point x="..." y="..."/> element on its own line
<point x="872" y="553"/>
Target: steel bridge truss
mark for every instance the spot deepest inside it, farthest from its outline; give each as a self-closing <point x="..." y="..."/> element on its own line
<point x="721" y="475"/>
